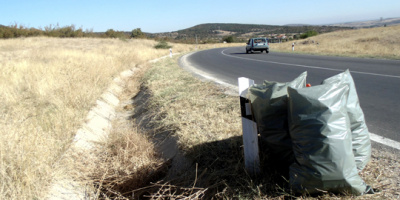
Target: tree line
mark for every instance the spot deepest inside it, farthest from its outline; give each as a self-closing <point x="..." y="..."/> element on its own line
<point x="16" y="31"/>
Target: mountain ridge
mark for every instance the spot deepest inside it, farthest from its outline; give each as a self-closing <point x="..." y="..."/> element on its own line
<point x="216" y="31"/>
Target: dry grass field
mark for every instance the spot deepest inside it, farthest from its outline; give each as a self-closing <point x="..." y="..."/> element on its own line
<point x="381" y="42"/>
<point x="48" y="85"/>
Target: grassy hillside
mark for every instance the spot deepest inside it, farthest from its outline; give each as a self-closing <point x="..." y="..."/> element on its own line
<point x="383" y="42"/>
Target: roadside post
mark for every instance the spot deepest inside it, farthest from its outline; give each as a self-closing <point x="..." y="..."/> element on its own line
<point x="293" y="46"/>
<point x="170" y="52"/>
<point x="249" y="128"/>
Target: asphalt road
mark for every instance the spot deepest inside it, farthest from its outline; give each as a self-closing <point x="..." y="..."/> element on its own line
<point x="377" y="81"/>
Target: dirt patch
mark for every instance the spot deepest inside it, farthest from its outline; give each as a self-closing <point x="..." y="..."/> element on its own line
<point x="370" y="39"/>
<point x="224" y="33"/>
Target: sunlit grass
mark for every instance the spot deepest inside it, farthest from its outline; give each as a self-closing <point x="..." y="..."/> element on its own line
<point x="47" y="86"/>
<point x="381" y="42"/>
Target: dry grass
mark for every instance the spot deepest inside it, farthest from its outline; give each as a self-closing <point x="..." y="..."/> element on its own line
<point x="48" y="86"/>
<point x="206" y="123"/>
<point x="381" y="42"/>
<point x="125" y="161"/>
<point x="119" y="165"/>
<point x="177" y="89"/>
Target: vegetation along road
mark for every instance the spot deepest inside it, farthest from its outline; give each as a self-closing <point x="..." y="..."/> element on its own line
<point x="377" y="81"/>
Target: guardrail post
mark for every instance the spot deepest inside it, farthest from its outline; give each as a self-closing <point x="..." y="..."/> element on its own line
<point x="249" y="127"/>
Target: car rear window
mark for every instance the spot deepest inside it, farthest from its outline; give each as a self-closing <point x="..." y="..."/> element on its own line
<point x="261" y="40"/>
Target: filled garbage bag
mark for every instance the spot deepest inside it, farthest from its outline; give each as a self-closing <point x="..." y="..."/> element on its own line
<point x="359" y="130"/>
<point x="269" y="107"/>
<point x="322" y="141"/>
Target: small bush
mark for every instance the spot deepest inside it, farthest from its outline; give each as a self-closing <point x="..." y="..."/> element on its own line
<point x="228" y="39"/>
<point x="137" y="33"/>
<point x="308" y="34"/>
<point x="162" y="45"/>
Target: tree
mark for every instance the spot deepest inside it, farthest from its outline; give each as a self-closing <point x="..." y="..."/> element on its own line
<point x="6" y="32"/>
<point x="111" y="33"/>
<point x="137" y="33"/>
<point x="67" y="31"/>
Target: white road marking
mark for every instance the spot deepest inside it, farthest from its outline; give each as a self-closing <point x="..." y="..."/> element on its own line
<point x="306" y="66"/>
<point x="384" y="141"/>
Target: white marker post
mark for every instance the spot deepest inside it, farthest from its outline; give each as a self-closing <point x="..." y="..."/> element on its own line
<point x="249" y="127"/>
<point x="170" y="52"/>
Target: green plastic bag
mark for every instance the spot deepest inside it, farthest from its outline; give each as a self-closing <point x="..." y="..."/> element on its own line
<point x="322" y="141"/>
<point x="360" y="134"/>
<point x="269" y="107"/>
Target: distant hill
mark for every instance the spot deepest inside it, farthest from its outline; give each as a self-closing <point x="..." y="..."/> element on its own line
<point x="370" y="23"/>
<point x="216" y="31"/>
<point x="212" y="32"/>
<point x="297" y="25"/>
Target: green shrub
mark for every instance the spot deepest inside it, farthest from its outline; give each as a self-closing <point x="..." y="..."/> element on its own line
<point x="228" y="39"/>
<point x="162" y="45"/>
<point x="308" y="34"/>
<point x="137" y="33"/>
<point x="6" y="33"/>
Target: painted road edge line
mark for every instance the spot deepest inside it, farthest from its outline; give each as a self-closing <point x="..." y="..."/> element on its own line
<point x="385" y="141"/>
<point x="307" y="66"/>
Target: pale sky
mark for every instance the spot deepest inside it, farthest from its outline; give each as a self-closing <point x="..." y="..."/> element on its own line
<point x="165" y="16"/>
